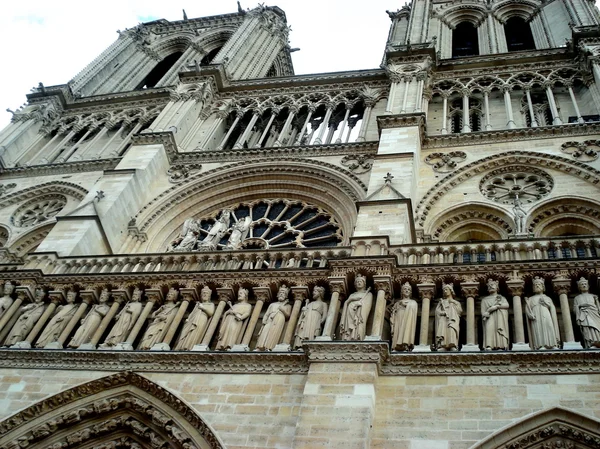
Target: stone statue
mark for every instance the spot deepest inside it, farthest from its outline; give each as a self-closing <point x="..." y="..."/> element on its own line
<point x="91" y="322"/>
<point x="447" y="320"/>
<point x="494" y="314"/>
<point x="125" y="320"/>
<point x="30" y="314"/>
<point x="519" y="216"/>
<point x="274" y="321"/>
<point x="239" y="233"/>
<point x="216" y="232"/>
<point x="233" y="321"/>
<point x="59" y="321"/>
<point x="542" y="321"/>
<point x="587" y="314"/>
<point x="197" y="322"/>
<point x="6" y="301"/>
<point x="356" y="311"/>
<point x="403" y="320"/>
<point x="312" y="318"/>
<point x="187" y="238"/>
<point x="161" y="320"/>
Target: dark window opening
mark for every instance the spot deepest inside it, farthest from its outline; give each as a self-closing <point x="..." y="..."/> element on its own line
<point x="518" y="35"/>
<point x="456" y="124"/>
<point x="210" y="56"/>
<point x="464" y="40"/>
<point x="159" y="71"/>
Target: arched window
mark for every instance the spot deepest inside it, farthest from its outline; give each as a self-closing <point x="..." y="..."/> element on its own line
<point x="464" y="40"/>
<point x="210" y="56"/>
<point x="518" y="35"/>
<point x="159" y="71"/>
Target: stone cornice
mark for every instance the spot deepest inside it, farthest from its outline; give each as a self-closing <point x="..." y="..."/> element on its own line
<point x="510" y="135"/>
<point x="517" y="57"/>
<point x="58" y="169"/>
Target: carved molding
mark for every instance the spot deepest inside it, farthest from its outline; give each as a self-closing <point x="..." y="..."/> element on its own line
<point x="347" y="352"/>
<point x="62" y="168"/>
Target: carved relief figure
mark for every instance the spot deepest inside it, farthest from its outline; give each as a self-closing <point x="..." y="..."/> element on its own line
<point x="312" y="318"/>
<point x="356" y="311"/>
<point x="274" y="321"/>
<point x="233" y="321"/>
<point x="542" y="321"/>
<point x="197" y="322"/>
<point x="161" y="320"/>
<point x="587" y="314"/>
<point x="30" y="314"/>
<point x="239" y="233"/>
<point x="125" y="320"/>
<point x="187" y="238"/>
<point x="59" y="321"/>
<point x="494" y="314"/>
<point x="214" y="236"/>
<point x="403" y="320"/>
<point x="6" y="301"/>
<point x="91" y="322"/>
<point x="519" y="215"/>
<point x="447" y="320"/>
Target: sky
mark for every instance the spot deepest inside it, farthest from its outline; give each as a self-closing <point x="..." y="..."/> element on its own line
<point x="51" y="41"/>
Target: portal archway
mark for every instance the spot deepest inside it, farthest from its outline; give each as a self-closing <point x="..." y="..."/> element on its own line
<point x="121" y="410"/>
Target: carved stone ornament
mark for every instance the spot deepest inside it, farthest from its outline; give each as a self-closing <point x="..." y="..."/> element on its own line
<point x="358" y="164"/>
<point x="582" y="151"/>
<point x="6" y="187"/>
<point x="445" y="162"/>
<point x="507" y="183"/>
<point x="38" y="210"/>
<point x="178" y="173"/>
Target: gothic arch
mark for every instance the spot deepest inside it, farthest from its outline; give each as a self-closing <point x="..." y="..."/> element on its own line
<point x="525" y="9"/>
<point x="531" y="158"/>
<point x="333" y="189"/>
<point x="470" y="12"/>
<point x="27" y="243"/>
<point x="555" y="427"/>
<point x="54" y="187"/>
<point x="565" y="216"/>
<point x="124" y="408"/>
<point x="474" y="221"/>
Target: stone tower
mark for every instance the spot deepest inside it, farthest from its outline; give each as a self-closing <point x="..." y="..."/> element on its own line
<point x="200" y="249"/>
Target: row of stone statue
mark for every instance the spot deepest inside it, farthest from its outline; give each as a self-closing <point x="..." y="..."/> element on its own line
<point x="285" y="325"/>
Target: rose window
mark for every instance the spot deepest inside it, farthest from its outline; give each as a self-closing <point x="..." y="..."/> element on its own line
<point x="509" y="183"/>
<point x="38" y="210"/>
<point x="260" y="224"/>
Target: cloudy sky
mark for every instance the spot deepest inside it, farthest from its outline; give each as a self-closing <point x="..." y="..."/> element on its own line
<point x="50" y="41"/>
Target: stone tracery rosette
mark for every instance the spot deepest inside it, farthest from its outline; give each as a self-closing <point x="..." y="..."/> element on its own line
<point x="445" y="162"/>
<point x="358" y="164"/>
<point x="586" y="151"/>
<point x="38" y="210"/>
<point x="504" y="185"/>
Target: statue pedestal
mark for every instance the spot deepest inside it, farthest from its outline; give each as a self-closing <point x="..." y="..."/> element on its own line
<point x="200" y="348"/>
<point x="118" y="347"/>
<point x="520" y="347"/>
<point x="571" y="345"/>
<point x="53" y="345"/>
<point x="240" y="348"/>
<point x="422" y="348"/>
<point x="282" y="348"/>
<point x="470" y="348"/>
<point x="87" y="347"/>
<point x="22" y="345"/>
<point x="324" y="338"/>
<point x="160" y="347"/>
<point x="373" y="338"/>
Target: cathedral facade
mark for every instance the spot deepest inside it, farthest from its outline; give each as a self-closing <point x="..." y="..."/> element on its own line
<point x="201" y="249"/>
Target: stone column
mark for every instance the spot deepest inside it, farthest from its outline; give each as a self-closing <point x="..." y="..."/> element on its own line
<point x="262" y="295"/>
<point x="87" y="297"/>
<point x="515" y="287"/>
<point x="56" y="149"/>
<point x="365" y="121"/>
<point x="471" y="291"/>
<point x="67" y="154"/>
<point x="488" y="115"/>
<point x="299" y="293"/>
<point x="231" y="129"/>
<point x="188" y="295"/>
<point x="466" y="128"/>
<point x="286" y="128"/>
<point x="426" y="291"/>
<point x="23" y="294"/>
<point x="383" y="286"/>
<point x="389" y="108"/>
<point x="419" y="96"/>
<point x="56" y="297"/>
<point x="154" y="296"/>
<point x="575" y="105"/>
<point x="260" y="141"/>
<point x="304" y="127"/>
<point x="405" y="99"/>
<point x="339" y="287"/>
<point x="534" y="122"/>
<point x="510" y="121"/>
<point x="444" y="113"/>
<point x="555" y="117"/>
<point x="344" y="123"/>
<point x="324" y="125"/>
<point x="562" y="286"/>
<point x="224" y="294"/>
<point x="244" y="136"/>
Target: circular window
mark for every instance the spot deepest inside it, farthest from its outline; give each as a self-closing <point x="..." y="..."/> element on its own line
<point x="38" y="210"/>
<point x="260" y="224"/>
<point x="509" y="183"/>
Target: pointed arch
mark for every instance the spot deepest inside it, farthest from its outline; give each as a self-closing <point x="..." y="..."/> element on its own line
<point x="549" y="426"/>
<point x="123" y="408"/>
<point x="529" y="158"/>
